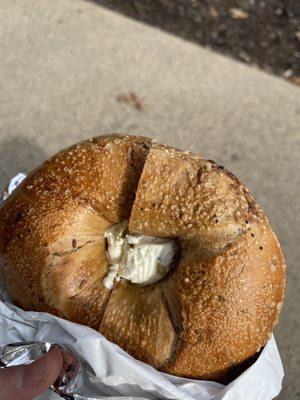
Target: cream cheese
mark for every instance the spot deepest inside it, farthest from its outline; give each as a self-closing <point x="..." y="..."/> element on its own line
<point x="139" y="259"/>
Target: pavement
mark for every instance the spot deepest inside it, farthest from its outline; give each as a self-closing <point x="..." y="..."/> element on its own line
<point x="66" y="73"/>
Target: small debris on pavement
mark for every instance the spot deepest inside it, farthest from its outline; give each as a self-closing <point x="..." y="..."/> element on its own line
<point x="295" y="80"/>
<point x="288" y="73"/>
<point x="238" y="13"/>
<point x="131" y="98"/>
<point x="213" y="12"/>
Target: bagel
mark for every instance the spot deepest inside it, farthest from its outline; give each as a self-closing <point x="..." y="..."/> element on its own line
<point x="209" y="312"/>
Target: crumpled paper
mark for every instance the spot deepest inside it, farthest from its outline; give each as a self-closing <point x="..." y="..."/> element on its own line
<point x="95" y="368"/>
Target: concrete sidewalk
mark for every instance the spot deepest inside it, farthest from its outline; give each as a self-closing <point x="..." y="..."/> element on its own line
<point x="64" y="66"/>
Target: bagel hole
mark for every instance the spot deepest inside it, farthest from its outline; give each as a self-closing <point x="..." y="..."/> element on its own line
<point x="139" y="259"/>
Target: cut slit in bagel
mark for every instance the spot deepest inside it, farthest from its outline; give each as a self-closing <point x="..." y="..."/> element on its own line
<point x="213" y="311"/>
<point x="137" y="319"/>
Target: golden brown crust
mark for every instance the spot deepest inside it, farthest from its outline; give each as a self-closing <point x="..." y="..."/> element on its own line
<point x="77" y="266"/>
<point x="229" y="304"/>
<point x="183" y="195"/>
<point x="215" y="309"/>
<point x="63" y="208"/>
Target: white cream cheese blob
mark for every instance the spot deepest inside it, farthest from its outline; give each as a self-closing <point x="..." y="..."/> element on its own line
<point x="137" y="258"/>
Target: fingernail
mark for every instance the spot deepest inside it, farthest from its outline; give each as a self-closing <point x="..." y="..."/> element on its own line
<point x="29" y="376"/>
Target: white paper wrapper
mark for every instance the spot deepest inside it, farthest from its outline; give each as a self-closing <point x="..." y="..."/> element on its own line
<point x="108" y="372"/>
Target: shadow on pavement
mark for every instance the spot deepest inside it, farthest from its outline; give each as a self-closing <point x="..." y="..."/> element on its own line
<point x="18" y="154"/>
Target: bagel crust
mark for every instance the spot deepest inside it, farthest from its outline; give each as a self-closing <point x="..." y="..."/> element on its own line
<point x="215" y="309"/>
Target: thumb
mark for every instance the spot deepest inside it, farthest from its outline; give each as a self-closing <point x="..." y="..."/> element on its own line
<point x="27" y="382"/>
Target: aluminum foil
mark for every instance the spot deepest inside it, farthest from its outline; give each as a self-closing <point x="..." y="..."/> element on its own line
<point x="25" y="353"/>
<point x="95" y="368"/>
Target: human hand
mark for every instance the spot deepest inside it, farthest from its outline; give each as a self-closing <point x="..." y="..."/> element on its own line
<point x="27" y="382"/>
